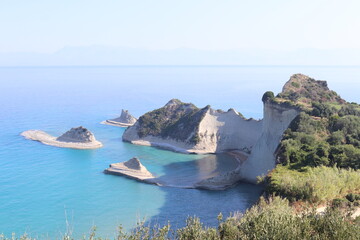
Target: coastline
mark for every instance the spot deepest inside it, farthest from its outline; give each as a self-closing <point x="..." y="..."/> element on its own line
<point x="170" y="145"/>
<point x="47" y="139"/>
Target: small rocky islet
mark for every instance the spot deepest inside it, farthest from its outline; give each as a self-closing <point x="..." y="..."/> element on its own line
<point x="77" y="138"/>
<point x="125" y="120"/>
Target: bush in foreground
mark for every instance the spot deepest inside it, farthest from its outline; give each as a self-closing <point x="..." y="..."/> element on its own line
<point x="269" y="219"/>
<point x="314" y="185"/>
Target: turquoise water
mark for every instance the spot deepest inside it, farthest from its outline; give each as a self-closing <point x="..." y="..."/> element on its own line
<point x="42" y="188"/>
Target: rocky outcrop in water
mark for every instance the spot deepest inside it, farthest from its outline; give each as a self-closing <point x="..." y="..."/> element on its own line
<point x="132" y="169"/>
<point x="125" y="119"/>
<point x="77" y="138"/>
<point x="78" y="134"/>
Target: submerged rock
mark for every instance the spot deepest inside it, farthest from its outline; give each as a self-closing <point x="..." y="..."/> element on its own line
<point x="78" y="134"/>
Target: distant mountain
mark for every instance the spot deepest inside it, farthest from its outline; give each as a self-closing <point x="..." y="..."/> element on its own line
<point x="102" y="55"/>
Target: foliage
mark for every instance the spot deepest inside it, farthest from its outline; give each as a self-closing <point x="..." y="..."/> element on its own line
<point x="177" y="121"/>
<point x="302" y="89"/>
<point x="268" y="96"/>
<point x="271" y="218"/>
<point x="328" y="141"/>
<point x="313" y="184"/>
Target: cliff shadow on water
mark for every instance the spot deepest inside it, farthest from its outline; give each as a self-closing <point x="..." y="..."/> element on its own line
<point x="206" y="204"/>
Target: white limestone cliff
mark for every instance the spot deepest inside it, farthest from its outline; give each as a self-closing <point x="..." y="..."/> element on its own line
<point x="262" y="158"/>
<point x="217" y="132"/>
<point x="222" y="131"/>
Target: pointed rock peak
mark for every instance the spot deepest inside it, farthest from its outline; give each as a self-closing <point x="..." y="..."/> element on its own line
<point x="207" y="107"/>
<point x="134" y="163"/>
<point x="77" y="134"/>
<point x="124" y="112"/>
<point x="231" y="110"/>
<point x="126" y="117"/>
<point x="174" y="102"/>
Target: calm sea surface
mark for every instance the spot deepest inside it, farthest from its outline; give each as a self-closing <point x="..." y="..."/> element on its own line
<point x="46" y="191"/>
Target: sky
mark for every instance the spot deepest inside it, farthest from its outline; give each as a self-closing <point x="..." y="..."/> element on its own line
<point x="46" y="26"/>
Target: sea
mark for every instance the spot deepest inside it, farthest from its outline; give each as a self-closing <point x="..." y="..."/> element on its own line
<point x="47" y="192"/>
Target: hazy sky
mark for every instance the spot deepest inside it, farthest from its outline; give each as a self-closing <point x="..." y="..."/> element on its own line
<point x="47" y="25"/>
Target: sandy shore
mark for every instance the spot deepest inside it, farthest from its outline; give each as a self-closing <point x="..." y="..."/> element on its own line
<point x="47" y="139"/>
<point x="116" y="124"/>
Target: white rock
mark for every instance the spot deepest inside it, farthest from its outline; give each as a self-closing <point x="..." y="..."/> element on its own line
<point x="125" y="120"/>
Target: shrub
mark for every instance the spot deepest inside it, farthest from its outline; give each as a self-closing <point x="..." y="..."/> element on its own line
<point x="268" y="96"/>
<point x="313" y="184"/>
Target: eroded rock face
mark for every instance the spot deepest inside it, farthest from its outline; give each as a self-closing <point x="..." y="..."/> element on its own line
<point x="184" y="126"/>
<point x="262" y="158"/>
<point x="125" y="118"/>
<point x="79" y="134"/>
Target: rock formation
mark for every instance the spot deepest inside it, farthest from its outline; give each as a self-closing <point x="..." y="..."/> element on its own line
<point x="185" y="128"/>
<point x="125" y="120"/>
<point x="78" y="134"/>
<point x="276" y="120"/>
<point x="78" y="138"/>
<point x="132" y="169"/>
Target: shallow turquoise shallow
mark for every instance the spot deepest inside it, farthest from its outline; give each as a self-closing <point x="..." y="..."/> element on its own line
<point x="46" y="191"/>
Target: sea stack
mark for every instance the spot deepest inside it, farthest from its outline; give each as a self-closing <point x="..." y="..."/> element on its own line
<point x="78" y="138"/>
<point x="125" y="120"/>
<point x="132" y="169"/>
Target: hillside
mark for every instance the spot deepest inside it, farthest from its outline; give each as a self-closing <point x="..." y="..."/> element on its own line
<point x="319" y="154"/>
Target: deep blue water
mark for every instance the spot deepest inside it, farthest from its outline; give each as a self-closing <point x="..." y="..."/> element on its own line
<point x="43" y="187"/>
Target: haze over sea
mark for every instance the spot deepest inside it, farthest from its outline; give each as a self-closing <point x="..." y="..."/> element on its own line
<point x="43" y="187"/>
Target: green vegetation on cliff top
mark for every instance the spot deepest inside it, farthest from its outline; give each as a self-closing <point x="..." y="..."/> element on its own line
<point x="319" y="154"/>
<point x="176" y="120"/>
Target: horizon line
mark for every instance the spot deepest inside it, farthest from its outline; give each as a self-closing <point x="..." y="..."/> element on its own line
<point x="175" y="65"/>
